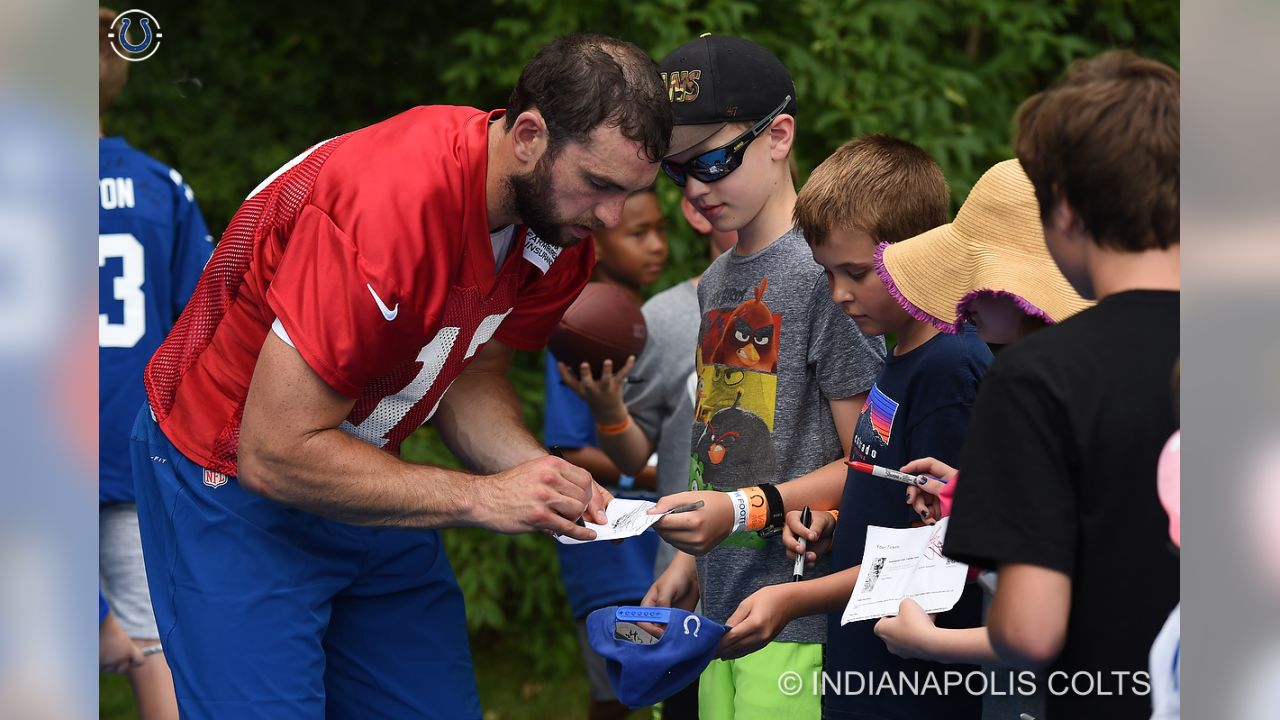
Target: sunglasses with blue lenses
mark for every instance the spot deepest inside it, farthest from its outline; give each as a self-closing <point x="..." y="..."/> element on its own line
<point x="716" y="164"/>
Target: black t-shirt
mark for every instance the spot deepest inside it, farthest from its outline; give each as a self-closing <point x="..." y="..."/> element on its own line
<point x="1059" y="471"/>
<point x="919" y="407"/>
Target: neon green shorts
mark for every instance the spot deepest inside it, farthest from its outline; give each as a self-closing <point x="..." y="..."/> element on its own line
<point x="776" y="682"/>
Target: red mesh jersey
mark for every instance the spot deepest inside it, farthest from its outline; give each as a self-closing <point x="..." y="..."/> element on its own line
<point x="372" y="253"/>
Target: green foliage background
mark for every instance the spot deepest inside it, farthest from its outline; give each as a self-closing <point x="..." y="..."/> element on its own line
<point x="239" y="88"/>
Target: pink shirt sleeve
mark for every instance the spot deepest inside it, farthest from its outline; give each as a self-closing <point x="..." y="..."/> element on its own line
<point x="947" y="496"/>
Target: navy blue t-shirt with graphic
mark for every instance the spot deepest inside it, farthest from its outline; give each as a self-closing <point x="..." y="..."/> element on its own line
<point x="919" y="407"/>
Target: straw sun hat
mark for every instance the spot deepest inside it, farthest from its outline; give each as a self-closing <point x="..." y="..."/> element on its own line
<point x="994" y="247"/>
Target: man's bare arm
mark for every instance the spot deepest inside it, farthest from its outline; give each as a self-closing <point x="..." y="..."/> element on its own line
<point x="479" y="417"/>
<point x="292" y="451"/>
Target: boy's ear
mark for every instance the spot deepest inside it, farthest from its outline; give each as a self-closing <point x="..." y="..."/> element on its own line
<point x="529" y="137"/>
<point x="781" y="133"/>
<point x="1065" y="220"/>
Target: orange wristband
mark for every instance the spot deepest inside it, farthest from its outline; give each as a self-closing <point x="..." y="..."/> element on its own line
<point x="757" y="509"/>
<point x="615" y="429"/>
<point x="835" y="515"/>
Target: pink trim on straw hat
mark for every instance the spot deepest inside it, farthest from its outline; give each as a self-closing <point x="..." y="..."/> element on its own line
<point x="912" y="310"/>
<point x="962" y="307"/>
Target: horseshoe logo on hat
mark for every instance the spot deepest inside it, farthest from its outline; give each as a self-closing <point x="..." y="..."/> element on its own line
<point x="697" y="624"/>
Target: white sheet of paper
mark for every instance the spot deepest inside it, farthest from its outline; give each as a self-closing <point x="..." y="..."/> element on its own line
<point x="627" y="518"/>
<point x="905" y="563"/>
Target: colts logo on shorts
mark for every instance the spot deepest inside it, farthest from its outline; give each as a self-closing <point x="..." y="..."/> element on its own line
<point x="214" y="479"/>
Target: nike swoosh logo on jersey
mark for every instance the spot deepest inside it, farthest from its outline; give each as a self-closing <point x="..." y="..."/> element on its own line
<point x="388" y="314"/>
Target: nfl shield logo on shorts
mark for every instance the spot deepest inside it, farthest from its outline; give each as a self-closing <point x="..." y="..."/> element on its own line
<point x="214" y="479"/>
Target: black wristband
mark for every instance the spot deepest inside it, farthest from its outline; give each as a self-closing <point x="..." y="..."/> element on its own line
<point x="777" y="512"/>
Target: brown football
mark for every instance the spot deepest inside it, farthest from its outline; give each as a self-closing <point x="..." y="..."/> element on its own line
<point x="605" y="322"/>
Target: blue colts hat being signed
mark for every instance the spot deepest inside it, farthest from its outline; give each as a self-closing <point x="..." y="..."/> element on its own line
<point x="644" y="669"/>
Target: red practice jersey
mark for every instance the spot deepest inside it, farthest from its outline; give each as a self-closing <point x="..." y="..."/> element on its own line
<point x="370" y="254"/>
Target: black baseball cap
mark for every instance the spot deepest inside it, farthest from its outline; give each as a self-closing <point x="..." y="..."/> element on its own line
<point x="719" y="79"/>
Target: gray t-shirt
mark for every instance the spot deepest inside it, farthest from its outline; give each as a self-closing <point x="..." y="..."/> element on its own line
<point x="660" y="388"/>
<point x="773" y="351"/>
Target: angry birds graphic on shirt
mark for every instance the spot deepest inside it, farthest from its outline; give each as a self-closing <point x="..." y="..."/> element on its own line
<point x="735" y="439"/>
<point x="722" y="386"/>
<point x="748" y="335"/>
<point x="736" y="396"/>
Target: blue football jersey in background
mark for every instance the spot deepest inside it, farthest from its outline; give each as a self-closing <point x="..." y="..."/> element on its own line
<point x="152" y="246"/>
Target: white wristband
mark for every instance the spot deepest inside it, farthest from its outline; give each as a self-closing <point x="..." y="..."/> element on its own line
<point x="739" y="501"/>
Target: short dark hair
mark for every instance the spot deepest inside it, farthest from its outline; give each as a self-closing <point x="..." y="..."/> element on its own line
<point x="888" y="188"/>
<point x="582" y="81"/>
<point x="1105" y="139"/>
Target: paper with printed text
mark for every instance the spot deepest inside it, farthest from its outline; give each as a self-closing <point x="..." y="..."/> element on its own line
<point x="905" y="563"/>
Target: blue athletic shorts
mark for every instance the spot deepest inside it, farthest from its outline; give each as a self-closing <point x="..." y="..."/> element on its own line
<point x="265" y="611"/>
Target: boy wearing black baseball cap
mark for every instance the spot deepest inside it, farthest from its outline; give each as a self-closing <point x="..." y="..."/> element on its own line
<point x="773" y="402"/>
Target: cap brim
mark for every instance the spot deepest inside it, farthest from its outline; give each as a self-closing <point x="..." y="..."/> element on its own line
<point x="684" y="137"/>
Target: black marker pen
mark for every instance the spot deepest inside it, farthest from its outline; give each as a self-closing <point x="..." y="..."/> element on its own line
<point x="806" y="519"/>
